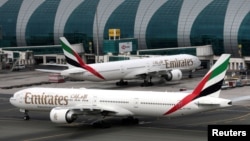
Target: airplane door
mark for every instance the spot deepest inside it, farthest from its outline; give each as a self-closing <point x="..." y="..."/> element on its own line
<point x="136" y="103"/>
<point x="21" y="99"/>
<point x="94" y="101"/>
<point x="122" y="69"/>
<point x="148" y="66"/>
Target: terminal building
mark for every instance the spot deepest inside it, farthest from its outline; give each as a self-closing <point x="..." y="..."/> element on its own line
<point x="151" y="27"/>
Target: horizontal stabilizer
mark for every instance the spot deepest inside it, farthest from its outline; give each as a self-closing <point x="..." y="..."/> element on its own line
<point x="209" y="102"/>
<point x="48" y="70"/>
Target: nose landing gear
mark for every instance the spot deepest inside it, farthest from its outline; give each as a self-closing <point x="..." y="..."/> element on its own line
<point x="26" y="115"/>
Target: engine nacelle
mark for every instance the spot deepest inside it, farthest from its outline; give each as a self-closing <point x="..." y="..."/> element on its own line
<point x="173" y="75"/>
<point x="58" y="115"/>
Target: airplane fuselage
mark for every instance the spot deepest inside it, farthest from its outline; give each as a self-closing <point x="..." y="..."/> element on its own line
<point x="126" y="103"/>
<point x="132" y="69"/>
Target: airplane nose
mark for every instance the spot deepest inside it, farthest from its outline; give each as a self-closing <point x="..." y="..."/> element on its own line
<point x="198" y="61"/>
<point x="13" y="101"/>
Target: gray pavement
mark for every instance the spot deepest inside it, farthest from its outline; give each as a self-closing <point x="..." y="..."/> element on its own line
<point x="193" y="128"/>
<point x="10" y="82"/>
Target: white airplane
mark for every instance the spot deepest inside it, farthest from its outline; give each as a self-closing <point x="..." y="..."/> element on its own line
<point x="167" y="67"/>
<point x="67" y="104"/>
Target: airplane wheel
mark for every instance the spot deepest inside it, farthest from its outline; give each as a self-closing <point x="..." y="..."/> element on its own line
<point x="118" y="83"/>
<point x="26" y="117"/>
<point x="121" y="83"/>
<point x="130" y="121"/>
<point x="101" y="124"/>
<point x="136" y="121"/>
<point x="125" y="121"/>
<point x="146" y="84"/>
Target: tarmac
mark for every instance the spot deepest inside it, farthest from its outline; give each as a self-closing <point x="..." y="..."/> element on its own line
<point x="11" y="81"/>
<point x="14" y="81"/>
<point x="189" y="128"/>
<point x="17" y="80"/>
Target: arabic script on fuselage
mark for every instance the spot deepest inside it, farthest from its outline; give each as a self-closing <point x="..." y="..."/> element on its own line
<point x="176" y="63"/>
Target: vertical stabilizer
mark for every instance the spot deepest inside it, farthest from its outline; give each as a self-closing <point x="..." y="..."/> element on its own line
<point x="74" y="60"/>
<point x="210" y="85"/>
<point x="212" y="82"/>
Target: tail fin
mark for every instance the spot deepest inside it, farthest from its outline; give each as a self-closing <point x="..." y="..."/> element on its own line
<point x="212" y="82"/>
<point x="209" y="85"/>
<point x="74" y="60"/>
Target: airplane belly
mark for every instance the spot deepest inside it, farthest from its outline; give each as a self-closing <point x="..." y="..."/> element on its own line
<point x="90" y="77"/>
<point x="154" y="111"/>
<point x="76" y="76"/>
<point x="107" y="76"/>
<point x="186" y="110"/>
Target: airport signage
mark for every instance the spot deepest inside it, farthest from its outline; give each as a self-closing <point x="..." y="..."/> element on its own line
<point x="125" y="47"/>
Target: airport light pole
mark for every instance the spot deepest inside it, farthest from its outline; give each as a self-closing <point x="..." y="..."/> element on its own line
<point x="97" y="33"/>
<point x="240" y="50"/>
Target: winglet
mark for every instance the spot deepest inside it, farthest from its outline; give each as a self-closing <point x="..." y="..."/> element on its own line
<point x="74" y="60"/>
<point x="210" y="85"/>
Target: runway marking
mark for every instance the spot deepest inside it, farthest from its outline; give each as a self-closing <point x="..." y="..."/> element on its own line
<point x="5" y="110"/>
<point x="4" y="102"/>
<point x="226" y="120"/>
<point x="173" y="129"/>
<point x="11" y="119"/>
<point x="47" y="137"/>
<point x="245" y="111"/>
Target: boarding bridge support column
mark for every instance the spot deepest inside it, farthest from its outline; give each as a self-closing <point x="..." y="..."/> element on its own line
<point x="44" y="59"/>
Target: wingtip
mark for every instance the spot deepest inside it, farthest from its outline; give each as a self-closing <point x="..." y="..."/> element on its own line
<point x="61" y="38"/>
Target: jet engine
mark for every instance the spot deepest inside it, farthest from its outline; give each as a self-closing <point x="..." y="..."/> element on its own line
<point x="173" y="75"/>
<point x="59" y="115"/>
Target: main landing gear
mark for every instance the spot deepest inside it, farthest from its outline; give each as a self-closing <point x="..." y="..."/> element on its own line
<point x="147" y="81"/>
<point x="121" y="83"/>
<point x="26" y="117"/>
<point x="101" y="124"/>
<point x="130" y="121"/>
<point x="190" y="75"/>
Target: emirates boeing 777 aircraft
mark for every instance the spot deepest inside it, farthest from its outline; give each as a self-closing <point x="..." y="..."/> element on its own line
<point x="165" y="67"/>
<point x="67" y="104"/>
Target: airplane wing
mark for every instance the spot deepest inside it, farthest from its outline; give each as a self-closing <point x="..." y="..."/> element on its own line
<point x="136" y="74"/>
<point x="161" y="72"/>
<point x="52" y="68"/>
<point x="55" y="64"/>
<point x="209" y="102"/>
<point x="101" y="110"/>
<point x="141" y="73"/>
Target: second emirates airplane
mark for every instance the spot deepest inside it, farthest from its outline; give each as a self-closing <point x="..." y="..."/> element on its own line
<point x="67" y="104"/>
<point x="165" y="67"/>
